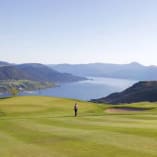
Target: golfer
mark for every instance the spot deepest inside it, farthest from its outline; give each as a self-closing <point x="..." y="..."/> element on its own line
<point x="76" y="109"/>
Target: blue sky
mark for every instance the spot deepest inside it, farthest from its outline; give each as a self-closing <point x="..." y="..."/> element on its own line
<point x="78" y="31"/>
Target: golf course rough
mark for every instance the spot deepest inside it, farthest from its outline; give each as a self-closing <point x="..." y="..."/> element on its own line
<point x="35" y="126"/>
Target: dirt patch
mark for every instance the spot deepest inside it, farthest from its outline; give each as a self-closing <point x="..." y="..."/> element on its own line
<point x="124" y="109"/>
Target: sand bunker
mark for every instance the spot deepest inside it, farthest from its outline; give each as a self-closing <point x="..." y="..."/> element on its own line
<point x="124" y="109"/>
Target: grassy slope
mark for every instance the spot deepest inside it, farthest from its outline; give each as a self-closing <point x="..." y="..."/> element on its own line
<point x="45" y="127"/>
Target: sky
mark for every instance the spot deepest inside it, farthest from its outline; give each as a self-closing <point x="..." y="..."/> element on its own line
<point x="78" y="31"/>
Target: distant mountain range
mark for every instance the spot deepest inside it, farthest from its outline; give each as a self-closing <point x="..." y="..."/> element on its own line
<point x="34" y="72"/>
<point x="133" y="70"/>
<point x="141" y="91"/>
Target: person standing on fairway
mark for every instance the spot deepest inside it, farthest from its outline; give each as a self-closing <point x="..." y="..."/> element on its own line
<point x="76" y="109"/>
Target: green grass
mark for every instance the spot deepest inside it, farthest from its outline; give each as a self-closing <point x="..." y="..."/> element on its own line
<point x="33" y="126"/>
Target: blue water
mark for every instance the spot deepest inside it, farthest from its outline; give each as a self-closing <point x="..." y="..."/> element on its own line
<point x="86" y="90"/>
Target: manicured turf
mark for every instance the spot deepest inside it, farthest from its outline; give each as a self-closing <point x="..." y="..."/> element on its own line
<point x="33" y="126"/>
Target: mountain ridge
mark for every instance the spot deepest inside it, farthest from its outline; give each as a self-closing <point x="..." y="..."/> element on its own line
<point x="35" y="72"/>
<point x="133" y="70"/>
<point x="39" y="72"/>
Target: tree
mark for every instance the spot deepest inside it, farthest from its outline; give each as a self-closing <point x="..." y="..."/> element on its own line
<point x="13" y="91"/>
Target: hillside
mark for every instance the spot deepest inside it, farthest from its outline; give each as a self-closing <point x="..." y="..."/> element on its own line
<point x="35" y="72"/>
<point x="45" y="126"/>
<point x="12" y="73"/>
<point x="133" y="70"/>
<point x="141" y="91"/>
<point x="40" y="72"/>
<point x="23" y="85"/>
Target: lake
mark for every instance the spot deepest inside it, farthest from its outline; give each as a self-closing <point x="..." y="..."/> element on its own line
<point x="96" y="87"/>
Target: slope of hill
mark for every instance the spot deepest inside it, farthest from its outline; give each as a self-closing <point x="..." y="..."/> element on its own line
<point x="23" y="85"/>
<point x="128" y="71"/>
<point x="40" y="72"/>
<point x="4" y="63"/>
<point x="141" y="91"/>
<point x="12" y="73"/>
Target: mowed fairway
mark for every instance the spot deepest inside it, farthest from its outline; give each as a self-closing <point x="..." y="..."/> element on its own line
<point x="33" y="126"/>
